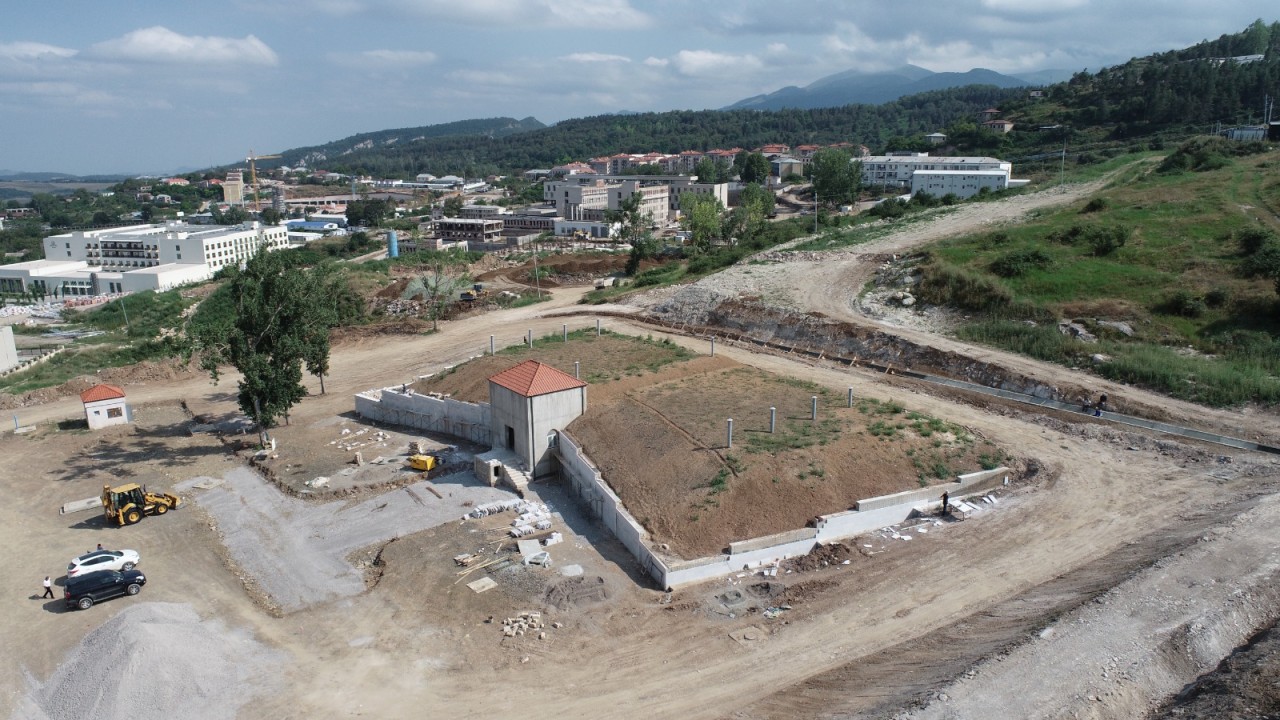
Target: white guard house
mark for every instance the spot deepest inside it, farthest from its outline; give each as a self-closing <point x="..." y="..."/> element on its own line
<point x="528" y="404"/>
<point x="105" y="405"/>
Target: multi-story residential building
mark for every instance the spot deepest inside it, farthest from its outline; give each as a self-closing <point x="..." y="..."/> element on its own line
<point x="469" y="230"/>
<point x="139" y="257"/>
<point x="896" y="169"/>
<point x="233" y="188"/>
<point x="475" y="212"/>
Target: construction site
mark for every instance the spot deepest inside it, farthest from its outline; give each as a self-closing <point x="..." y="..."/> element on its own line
<point x="745" y="497"/>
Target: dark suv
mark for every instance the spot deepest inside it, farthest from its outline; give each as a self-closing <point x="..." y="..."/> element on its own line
<point x="83" y="591"/>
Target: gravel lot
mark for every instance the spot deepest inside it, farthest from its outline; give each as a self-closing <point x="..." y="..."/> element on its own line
<point x="294" y="553"/>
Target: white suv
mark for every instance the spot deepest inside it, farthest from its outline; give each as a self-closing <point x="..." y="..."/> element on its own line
<point x="103" y="560"/>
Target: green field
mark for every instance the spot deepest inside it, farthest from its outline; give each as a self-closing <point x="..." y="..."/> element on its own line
<point x="1160" y="251"/>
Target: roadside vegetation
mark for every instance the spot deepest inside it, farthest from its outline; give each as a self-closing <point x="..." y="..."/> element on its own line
<point x="1174" y="270"/>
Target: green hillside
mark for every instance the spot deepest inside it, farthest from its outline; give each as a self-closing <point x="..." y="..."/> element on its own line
<point x="1187" y="258"/>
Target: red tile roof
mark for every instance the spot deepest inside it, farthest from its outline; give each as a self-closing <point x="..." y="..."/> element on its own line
<point x="101" y="392"/>
<point x="531" y="378"/>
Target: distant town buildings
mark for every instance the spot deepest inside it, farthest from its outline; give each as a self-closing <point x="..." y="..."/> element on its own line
<point x="138" y="257"/>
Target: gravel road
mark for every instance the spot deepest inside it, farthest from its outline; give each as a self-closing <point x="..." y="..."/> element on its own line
<point x="295" y="552"/>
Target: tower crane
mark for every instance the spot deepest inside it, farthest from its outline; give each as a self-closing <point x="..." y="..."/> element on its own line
<point x="253" y="178"/>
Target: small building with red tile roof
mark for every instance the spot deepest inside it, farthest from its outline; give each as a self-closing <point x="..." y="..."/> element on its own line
<point x="105" y="405"/>
<point x="528" y="404"/>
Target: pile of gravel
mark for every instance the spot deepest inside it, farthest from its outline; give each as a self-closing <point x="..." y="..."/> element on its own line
<point x="153" y="660"/>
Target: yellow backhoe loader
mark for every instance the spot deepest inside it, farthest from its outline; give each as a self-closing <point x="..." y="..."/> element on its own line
<point x="126" y="504"/>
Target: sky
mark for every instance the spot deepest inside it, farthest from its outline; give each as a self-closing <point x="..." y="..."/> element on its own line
<point x="88" y="86"/>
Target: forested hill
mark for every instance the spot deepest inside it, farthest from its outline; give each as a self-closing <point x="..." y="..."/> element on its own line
<point x="582" y="138"/>
<point x="1172" y="93"/>
<point x="393" y="140"/>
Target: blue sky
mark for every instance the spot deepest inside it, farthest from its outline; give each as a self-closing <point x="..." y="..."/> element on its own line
<point x="88" y="86"/>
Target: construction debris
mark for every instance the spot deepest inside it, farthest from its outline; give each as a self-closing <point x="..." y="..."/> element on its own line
<point x="483" y="584"/>
<point x="523" y="623"/>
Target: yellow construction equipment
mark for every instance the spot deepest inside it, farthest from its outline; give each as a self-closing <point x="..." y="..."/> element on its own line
<point x="425" y="463"/>
<point x="477" y="291"/>
<point x="126" y="504"/>
<point x="253" y="178"/>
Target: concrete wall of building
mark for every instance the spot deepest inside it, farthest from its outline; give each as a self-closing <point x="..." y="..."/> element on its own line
<point x="551" y="413"/>
<point x="105" y="413"/>
<point x="401" y="406"/>
<point x="961" y="184"/>
<point x="8" y="349"/>
<point x="511" y="423"/>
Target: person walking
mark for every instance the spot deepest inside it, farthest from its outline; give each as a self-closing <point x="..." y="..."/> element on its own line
<point x="99" y="547"/>
<point x="48" y="588"/>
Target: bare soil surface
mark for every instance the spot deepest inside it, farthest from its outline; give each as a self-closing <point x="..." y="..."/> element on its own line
<point x="1175" y="538"/>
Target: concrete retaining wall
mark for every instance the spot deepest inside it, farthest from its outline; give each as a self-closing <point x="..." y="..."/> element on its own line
<point x="962" y="484"/>
<point x="399" y="406"/>
<point x="604" y="505"/>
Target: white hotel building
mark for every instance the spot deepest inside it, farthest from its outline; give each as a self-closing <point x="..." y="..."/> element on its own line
<point x="138" y="257"/>
<point x="964" y="176"/>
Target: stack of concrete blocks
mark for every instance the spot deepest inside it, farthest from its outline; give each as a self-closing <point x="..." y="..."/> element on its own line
<point x="401" y="406"/>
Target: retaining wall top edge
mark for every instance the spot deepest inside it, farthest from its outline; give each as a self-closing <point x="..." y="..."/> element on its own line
<point x="695" y="563"/>
<point x="767" y="541"/>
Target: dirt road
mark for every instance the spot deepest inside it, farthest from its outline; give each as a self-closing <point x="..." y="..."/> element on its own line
<point x="411" y="642"/>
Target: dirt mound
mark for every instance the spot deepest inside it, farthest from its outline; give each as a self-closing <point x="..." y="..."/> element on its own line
<point x="147" y="371"/>
<point x="394" y="290"/>
<point x="574" y="592"/>
<point x="153" y="660"/>
<point x="820" y="557"/>
<point x="401" y="326"/>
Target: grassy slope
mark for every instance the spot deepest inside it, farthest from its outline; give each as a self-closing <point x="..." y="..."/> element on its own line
<point x="1182" y="240"/>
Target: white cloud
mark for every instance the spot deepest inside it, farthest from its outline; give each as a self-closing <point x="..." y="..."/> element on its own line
<point x="656" y="62"/>
<point x="704" y="62"/>
<point x="593" y="14"/>
<point x="27" y="51"/>
<point x="161" y="45"/>
<point x="591" y="57"/>
<point x="1034" y="7"/>
<point x="399" y="57"/>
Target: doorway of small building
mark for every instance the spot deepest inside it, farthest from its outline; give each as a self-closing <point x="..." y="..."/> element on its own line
<point x="511" y="437"/>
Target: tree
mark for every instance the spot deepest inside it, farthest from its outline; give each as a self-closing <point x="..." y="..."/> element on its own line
<point x="836" y="178"/>
<point x="702" y="218"/>
<point x="755" y="205"/>
<point x="755" y="169"/>
<point x="270" y="216"/>
<point x="633" y="224"/>
<point x="445" y="277"/>
<point x="453" y="206"/>
<point x="281" y="314"/>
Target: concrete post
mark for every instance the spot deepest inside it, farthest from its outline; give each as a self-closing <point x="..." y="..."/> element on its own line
<point x="491" y="350"/>
<point x="813" y="411"/>
<point x="564" y="331"/>
<point x="730" y="425"/>
<point x="773" y="419"/>
<point x="530" y="338"/>
<point x="597" y="327"/>
<point x="850" y="397"/>
<point x="577" y="370"/>
<point x="713" y="347"/>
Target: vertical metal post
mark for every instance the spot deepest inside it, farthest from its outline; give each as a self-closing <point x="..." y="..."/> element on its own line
<point x="577" y="370"/>
<point x="730" y="424"/>
<point x="713" y="347"/>
<point x="597" y="327"/>
<point x="773" y="419"/>
<point x="564" y="330"/>
<point x="813" y="411"/>
<point x="491" y="350"/>
<point x="530" y="338"/>
<point x="850" y="397"/>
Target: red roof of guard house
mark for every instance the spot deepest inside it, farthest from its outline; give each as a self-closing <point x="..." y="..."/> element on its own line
<point x="98" y="393"/>
<point x="532" y="378"/>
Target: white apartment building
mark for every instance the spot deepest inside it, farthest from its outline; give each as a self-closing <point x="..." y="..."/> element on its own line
<point x="961" y="183"/>
<point x="897" y="169"/>
<point x="139" y="257"/>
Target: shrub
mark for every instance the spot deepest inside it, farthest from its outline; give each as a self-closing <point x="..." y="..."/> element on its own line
<point x="1106" y="240"/>
<point x="1184" y="303"/>
<point x="1096" y="205"/>
<point x="1020" y="262"/>
<point x="1264" y="263"/>
<point x="1253" y="239"/>
<point x="955" y="287"/>
<point x="889" y="209"/>
<point x="1217" y="297"/>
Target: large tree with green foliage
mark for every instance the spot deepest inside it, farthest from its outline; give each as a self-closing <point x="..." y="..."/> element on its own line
<point x="279" y="320"/>
<point x="703" y="218"/>
<point x="836" y="177"/>
<point x="755" y="169"/>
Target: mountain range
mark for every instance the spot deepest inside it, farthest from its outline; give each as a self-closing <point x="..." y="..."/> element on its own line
<point x="857" y="87"/>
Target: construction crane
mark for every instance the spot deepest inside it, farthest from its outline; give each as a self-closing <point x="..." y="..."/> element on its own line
<point x="253" y="178"/>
